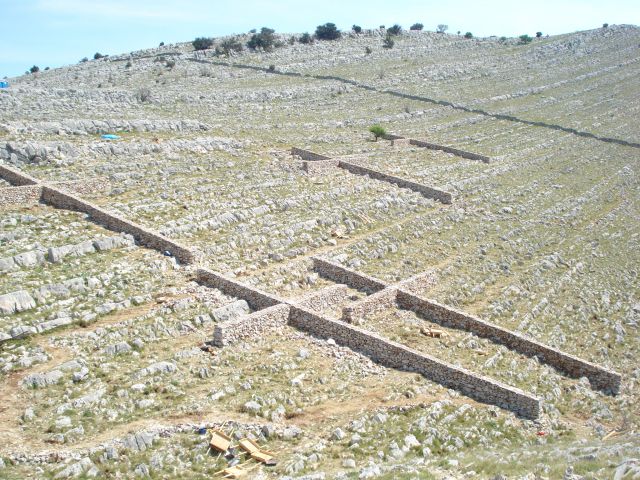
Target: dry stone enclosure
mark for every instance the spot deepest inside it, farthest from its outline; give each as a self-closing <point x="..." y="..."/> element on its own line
<point x="457" y="299"/>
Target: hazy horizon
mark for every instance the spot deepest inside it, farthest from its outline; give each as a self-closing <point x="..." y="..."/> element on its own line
<point x="55" y="33"/>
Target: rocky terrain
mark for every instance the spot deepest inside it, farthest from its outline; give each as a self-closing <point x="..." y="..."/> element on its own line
<point x="102" y="373"/>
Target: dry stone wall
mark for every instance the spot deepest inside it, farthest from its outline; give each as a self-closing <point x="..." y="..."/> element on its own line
<point x="394" y="355"/>
<point x="16" y="177"/>
<point x="26" y="194"/>
<point x="455" y="151"/>
<point x="307" y="155"/>
<point x="149" y="238"/>
<point x="325" y="298"/>
<point x="418" y="283"/>
<point x="377" y="302"/>
<point x="319" y="166"/>
<point x="265" y="321"/>
<point x="84" y="187"/>
<point x="429" y="192"/>
<point x="600" y="378"/>
<point x="314" y="163"/>
<point x="339" y="274"/>
<point x="257" y="299"/>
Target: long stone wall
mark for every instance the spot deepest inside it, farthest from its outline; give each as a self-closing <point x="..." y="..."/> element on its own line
<point x="149" y="238"/>
<point x="394" y="355"/>
<point x="455" y="151"/>
<point x="26" y="194"/>
<point x="307" y="155"/>
<point x="257" y="299"/>
<point x="16" y="177"/>
<point x="429" y="192"/>
<point x="339" y="274"/>
<point x="600" y="378"/>
<point x="256" y="324"/>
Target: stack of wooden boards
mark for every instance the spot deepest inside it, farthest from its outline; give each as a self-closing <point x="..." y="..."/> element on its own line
<point x="221" y="442"/>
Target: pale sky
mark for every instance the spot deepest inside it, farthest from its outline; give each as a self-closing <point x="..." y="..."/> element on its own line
<point x="60" y="32"/>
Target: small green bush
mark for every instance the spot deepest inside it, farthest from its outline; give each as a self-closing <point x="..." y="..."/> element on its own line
<point x="84" y="60"/>
<point x="357" y="28"/>
<point x="605" y="25"/>
<point x="377" y="131"/>
<point x="416" y="26"/>
<point x="202" y="43"/>
<point x="468" y="35"/>
<point x="524" y="39"/>
<point x="328" y="31"/>
<point x="388" y="42"/>
<point x="538" y="34"/>
<point x="272" y="68"/>
<point x="161" y="44"/>
<point x="97" y="56"/>
<point x="367" y="50"/>
<point x="395" y="30"/>
<point x="306" y="38"/>
<point x="264" y="40"/>
<point x="442" y="28"/>
<point x="34" y="69"/>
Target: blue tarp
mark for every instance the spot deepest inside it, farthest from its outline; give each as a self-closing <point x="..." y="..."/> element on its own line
<point x="110" y="136"/>
<point x="4" y="84"/>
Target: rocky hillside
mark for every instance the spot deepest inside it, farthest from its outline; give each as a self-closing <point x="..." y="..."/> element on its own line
<point x="102" y="373"/>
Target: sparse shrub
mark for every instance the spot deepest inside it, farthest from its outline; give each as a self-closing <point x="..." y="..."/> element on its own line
<point x="377" y="131"/>
<point x="128" y="64"/>
<point x="264" y="40"/>
<point x="395" y="30"/>
<point x="458" y="32"/>
<point x="468" y="35"/>
<point x="202" y="43"/>
<point x="170" y="63"/>
<point x="292" y="40"/>
<point x="97" y="56"/>
<point x="382" y="27"/>
<point x="357" y="28"/>
<point x="538" y="34"/>
<point x="524" y="39"/>
<point x="503" y="39"/>
<point x="306" y="38"/>
<point x="442" y="28"/>
<point x="416" y="26"/>
<point x="605" y="25"/>
<point x="206" y="71"/>
<point x="143" y="95"/>
<point x="253" y="30"/>
<point x="34" y="69"/>
<point x="229" y="45"/>
<point x="328" y="31"/>
<point x="367" y="50"/>
<point x="161" y="44"/>
<point x="272" y="68"/>
<point x="84" y="60"/>
<point x="388" y="42"/>
<point x="46" y="68"/>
